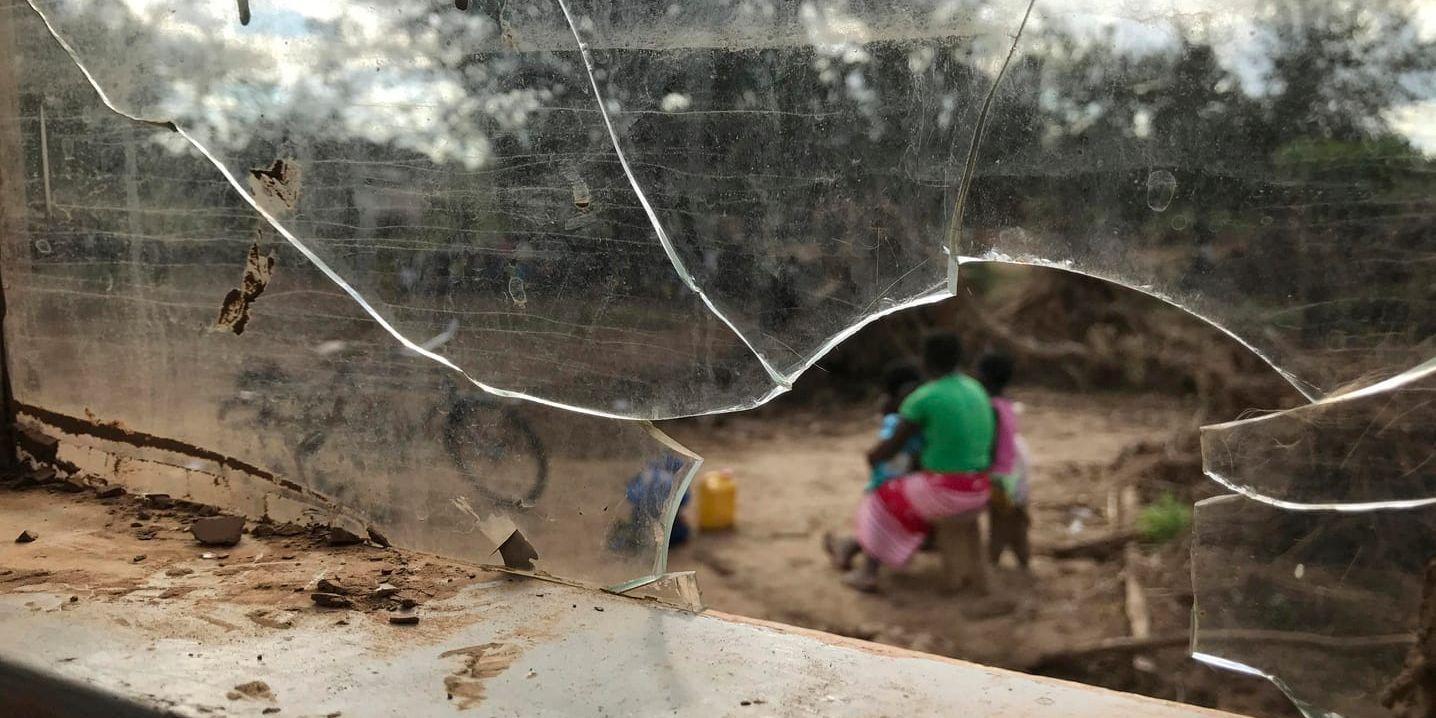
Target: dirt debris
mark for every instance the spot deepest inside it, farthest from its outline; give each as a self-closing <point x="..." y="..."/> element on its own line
<point x="340" y="536"/>
<point x="159" y="501"/>
<point x="217" y="530"/>
<point x="71" y="485"/>
<point x="378" y="582"/>
<point x="258" y="269"/>
<point x="325" y="585"/>
<point x="271" y="619"/>
<point x="43" y="447"/>
<point x="466" y="684"/>
<point x="26" y="536"/>
<point x="253" y="690"/>
<point x="379" y="539"/>
<point x="330" y="600"/>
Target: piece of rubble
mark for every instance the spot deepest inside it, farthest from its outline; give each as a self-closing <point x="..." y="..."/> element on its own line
<point x="159" y="501"/>
<point x="45" y="475"/>
<point x="196" y="508"/>
<point x="138" y="558"/>
<point x="179" y="571"/>
<point x="110" y="492"/>
<point x="42" y="446"/>
<point x="258" y="690"/>
<point x="325" y="585"/>
<point x="385" y="590"/>
<point x="72" y="485"/>
<point x="377" y="537"/>
<point x="404" y="618"/>
<point x="218" y="530"/>
<point x="330" y="600"/>
<point x="340" y="536"/>
<point x="271" y="619"/>
<point x="26" y="536"/>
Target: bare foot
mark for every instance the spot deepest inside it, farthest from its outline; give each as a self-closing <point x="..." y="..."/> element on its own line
<point x="861" y="580"/>
<point x="840" y="551"/>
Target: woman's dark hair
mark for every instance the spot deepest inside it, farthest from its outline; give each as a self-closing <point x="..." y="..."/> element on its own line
<point x="899" y="377"/>
<point x="942" y="353"/>
<point x="994" y="370"/>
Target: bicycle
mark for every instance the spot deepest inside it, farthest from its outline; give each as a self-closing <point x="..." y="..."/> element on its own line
<point x="487" y="439"/>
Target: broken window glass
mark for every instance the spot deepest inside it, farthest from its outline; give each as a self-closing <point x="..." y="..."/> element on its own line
<point x="1262" y="165"/>
<point x="1368" y="448"/>
<point x="530" y="178"/>
<point x="1324" y="603"/>
<point x="408" y="265"/>
<point x="155" y="313"/>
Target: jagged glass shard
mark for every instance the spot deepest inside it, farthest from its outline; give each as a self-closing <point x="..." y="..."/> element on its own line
<point x="453" y="172"/>
<point x="1324" y="603"/>
<point x="803" y="159"/>
<point x="678" y="589"/>
<point x="128" y="269"/>
<point x="1263" y="165"/>
<point x="1369" y="448"/>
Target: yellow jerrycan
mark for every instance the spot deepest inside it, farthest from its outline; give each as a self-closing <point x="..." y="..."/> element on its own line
<point x="717" y="499"/>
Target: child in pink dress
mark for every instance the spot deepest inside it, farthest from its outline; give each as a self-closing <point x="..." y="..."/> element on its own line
<point x="1007" y="508"/>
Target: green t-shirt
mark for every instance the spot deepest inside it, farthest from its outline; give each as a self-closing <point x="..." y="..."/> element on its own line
<point x="956" y="420"/>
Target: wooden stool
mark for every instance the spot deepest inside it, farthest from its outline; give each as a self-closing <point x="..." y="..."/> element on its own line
<point x="958" y="540"/>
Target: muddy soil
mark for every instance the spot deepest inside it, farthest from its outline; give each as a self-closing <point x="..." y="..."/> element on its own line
<point x="800" y="474"/>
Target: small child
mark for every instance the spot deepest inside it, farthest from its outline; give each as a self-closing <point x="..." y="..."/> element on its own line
<point x="648" y="493"/>
<point x="1007" y="507"/>
<point x="898" y="381"/>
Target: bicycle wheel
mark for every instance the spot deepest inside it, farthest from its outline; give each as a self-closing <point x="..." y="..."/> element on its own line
<point x="495" y="448"/>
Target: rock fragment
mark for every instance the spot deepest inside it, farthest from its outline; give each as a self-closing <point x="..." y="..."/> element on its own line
<point x="218" y="530"/>
<point x="330" y="600"/>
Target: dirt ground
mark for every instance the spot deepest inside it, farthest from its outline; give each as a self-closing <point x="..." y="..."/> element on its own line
<point x="113" y="547"/>
<point x="800" y="474"/>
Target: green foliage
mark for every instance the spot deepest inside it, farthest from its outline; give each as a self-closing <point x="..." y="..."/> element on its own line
<point x="1164" y="520"/>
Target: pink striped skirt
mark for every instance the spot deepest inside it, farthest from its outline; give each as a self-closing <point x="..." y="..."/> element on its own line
<point x="894" y="518"/>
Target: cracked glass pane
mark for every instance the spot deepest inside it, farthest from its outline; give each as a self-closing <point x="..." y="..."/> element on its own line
<point x="1369" y="448"/>
<point x="454" y="177"/>
<point x="749" y="183"/>
<point x="802" y="159"/>
<point x="1264" y="165"/>
<point x="155" y="316"/>
<point x="410" y="260"/>
<point x="1325" y="603"/>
